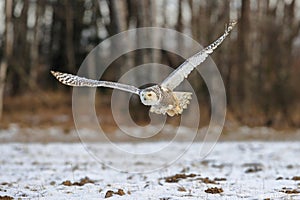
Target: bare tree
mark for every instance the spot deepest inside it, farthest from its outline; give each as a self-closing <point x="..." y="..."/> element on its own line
<point x="117" y="15"/>
<point x="34" y="53"/>
<point x="69" y="17"/>
<point x="20" y="48"/>
<point x="243" y="58"/>
<point x="8" y="49"/>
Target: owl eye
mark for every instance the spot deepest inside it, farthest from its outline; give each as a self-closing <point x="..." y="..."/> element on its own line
<point x="149" y="95"/>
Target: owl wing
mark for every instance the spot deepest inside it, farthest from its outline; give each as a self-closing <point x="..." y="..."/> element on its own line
<point x="72" y="80"/>
<point x="182" y="72"/>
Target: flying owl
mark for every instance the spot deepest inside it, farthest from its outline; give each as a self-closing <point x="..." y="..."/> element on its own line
<point x="161" y="98"/>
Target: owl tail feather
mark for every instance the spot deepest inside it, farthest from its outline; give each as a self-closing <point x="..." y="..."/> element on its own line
<point x="183" y="99"/>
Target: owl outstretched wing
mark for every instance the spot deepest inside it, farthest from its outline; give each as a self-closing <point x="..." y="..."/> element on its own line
<point x="72" y="80"/>
<point x="182" y="72"/>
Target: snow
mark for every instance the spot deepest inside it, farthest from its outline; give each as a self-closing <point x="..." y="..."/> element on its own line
<point x="252" y="170"/>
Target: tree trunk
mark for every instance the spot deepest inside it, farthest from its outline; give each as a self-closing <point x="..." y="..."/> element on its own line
<point x="179" y="28"/>
<point x="243" y="39"/>
<point x="8" y="49"/>
<point x="34" y="53"/>
<point x="69" y="35"/>
<point x="20" y="50"/>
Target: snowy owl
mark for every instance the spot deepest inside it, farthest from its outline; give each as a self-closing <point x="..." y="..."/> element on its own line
<point x="161" y="98"/>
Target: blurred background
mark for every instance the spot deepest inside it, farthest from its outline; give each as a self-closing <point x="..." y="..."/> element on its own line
<point x="259" y="62"/>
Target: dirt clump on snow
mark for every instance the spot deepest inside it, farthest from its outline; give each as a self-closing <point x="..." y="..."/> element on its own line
<point x="296" y="178"/>
<point x="181" y="189"/>
<point x="290" y="191"/>
<point x="110" y="193"/>
<point x="253" y="167"/>
<point x="206" y="180"/>
<point x="214" y="190"/>
<point x="177" y="177"/>
<point x="82" y="182"/>
<point x="220" y="179"/>
<point x="6" y="197"/>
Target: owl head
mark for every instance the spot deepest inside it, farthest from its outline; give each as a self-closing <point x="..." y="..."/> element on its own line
<point x="151" y="95"/>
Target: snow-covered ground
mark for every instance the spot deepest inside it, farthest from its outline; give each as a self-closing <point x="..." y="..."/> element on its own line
<point x="233" y="170"/>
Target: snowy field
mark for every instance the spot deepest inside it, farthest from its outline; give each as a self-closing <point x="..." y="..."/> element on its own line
<point x="233" y="170"/>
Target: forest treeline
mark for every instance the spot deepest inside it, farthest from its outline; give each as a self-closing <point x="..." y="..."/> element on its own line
<point x="259" y="63"/>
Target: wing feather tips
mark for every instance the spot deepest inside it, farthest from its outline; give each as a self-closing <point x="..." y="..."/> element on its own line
<point x="73" y="80"/>
<point x="55" y="74"/>
<point x="58" y="76"/>
<point x="67" y="79"/>
<point x="176" y="77"/>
